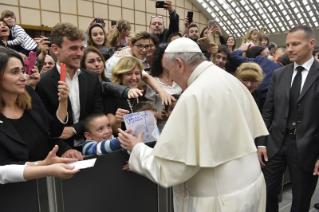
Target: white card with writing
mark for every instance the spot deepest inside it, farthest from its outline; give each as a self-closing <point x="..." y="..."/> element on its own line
<point x="142" y="121"/>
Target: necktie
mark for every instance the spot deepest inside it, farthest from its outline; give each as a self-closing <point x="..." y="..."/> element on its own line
<point x="294" y="95"/>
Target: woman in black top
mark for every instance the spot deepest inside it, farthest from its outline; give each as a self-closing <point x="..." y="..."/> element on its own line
<point x="127" y="72"/>
<point x="26" y="127"/>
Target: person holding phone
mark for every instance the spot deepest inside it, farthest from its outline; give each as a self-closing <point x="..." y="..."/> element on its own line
<point x="26" y="128"/>
<point x="157" y="26"/>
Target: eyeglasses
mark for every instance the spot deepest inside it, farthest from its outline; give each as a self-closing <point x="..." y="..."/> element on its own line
<point x="156" y="16"/>
<point x="141" y="47"/>
<point x="252" y="82"/>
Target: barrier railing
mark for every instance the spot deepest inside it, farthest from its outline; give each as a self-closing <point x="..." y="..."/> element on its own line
<point x="105" y="187"/>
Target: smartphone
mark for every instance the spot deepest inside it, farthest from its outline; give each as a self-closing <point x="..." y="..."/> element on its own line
<point x="62" y="72"/>
<point x="98" y="20"/>
<point x="190" y="16"/>
<point x="203" y="43"/>
<point x="48" y="39"/>
<point x="113" y="23"/>
<point x="30" y="63"/>
<point x="211" y="23"/>
<point x="160" y="4"/>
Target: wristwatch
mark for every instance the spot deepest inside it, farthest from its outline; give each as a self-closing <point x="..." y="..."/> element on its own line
<point x="74" y="131"/>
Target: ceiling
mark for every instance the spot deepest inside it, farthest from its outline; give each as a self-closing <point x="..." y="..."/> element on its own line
<point x="235" y="17"/>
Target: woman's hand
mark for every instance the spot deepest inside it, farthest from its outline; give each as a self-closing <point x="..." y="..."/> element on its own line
<point x="119" y="115"/>
<point x="63" y="91"/>
<point x="134" y="93"/>
<point x="62" y="171"/>
<point x="52" y="158"/>
<point x="128" y="141"/>
<point x="34" y="78"/>
<point x="166" y="98"/>
<point x="90" y="24"/>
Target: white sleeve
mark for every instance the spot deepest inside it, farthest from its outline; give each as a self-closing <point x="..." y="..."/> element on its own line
<point x="144" y="73"/>
<point x="11" y="174"/>
<point x="164" y="172"/>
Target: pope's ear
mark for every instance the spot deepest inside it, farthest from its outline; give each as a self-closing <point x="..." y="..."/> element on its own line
<point x="180" y="64"/>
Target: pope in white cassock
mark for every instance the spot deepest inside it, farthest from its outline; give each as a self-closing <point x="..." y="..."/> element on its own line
<point x="206" y="150"/>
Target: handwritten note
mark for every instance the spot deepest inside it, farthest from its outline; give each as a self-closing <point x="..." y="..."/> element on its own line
<point x="142" y="121"/>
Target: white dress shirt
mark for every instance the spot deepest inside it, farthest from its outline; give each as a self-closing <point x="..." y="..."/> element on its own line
<point x="307" y="65"/>
<point x="74" y="96"/>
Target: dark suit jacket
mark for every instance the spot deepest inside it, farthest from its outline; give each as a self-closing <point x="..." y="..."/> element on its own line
<point x="90" y="97"/>
<point x="173" y="27"/>
<point x="276" y="109"/>
<point x="13" y="149"/>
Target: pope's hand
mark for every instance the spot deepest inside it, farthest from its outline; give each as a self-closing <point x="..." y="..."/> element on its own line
<point x="128" y="141"/>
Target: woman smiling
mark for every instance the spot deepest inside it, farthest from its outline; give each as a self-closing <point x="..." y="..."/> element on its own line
<point x="127" y="72"/>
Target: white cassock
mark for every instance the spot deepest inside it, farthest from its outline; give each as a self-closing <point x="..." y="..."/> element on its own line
<point x="206" y="150"/>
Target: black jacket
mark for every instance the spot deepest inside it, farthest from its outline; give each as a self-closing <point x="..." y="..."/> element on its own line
<point x="13" y="149"/>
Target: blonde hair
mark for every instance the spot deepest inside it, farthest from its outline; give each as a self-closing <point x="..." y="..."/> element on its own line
<point x="121" y="25"/>
<point x="123" y="66"/>
<point x="139" y="35"/>
<point x="250" y="71"/>
<point x="247" y="39"/>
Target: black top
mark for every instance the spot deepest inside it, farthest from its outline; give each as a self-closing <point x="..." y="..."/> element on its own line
<point x="111" y="104"/>
<point x="34" y="137"/>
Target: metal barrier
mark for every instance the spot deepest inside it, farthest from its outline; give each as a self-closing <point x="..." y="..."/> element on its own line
<point x="105" y="187"/>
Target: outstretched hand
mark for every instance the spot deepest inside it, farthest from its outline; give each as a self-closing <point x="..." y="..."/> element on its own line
<point x="62" y="171"/>
<point x="52" y="158"/>
<point x="128" y="141"/>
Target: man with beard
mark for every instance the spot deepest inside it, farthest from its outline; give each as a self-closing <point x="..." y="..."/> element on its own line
<point x="220" y="59"/>
<point x="157" y="26"/>
<point x="85" y="87"/>
<point x="193" y="32"/>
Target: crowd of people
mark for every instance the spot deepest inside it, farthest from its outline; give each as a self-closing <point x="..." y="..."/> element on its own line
<point x="109" y="75"/>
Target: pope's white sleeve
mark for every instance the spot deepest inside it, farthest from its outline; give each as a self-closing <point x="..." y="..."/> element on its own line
<point x="164" y="172"/>
<point x="11" y="174"/>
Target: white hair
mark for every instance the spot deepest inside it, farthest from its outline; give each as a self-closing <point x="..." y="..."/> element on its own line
<point x="190" y="58"/>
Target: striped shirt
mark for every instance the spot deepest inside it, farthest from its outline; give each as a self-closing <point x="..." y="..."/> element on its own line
<point x="90" y="147"/>
<point x="20" y="37"/>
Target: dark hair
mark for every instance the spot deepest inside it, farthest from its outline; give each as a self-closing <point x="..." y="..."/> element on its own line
<point x="284" y="60"/>
<point x="309" y="34"/>
<point x="254" y="51"/>
<point x="23" y="100"/>
<point x="176" y="96"/>
<point x="202" y="33"/>
<point x="264" y="37"/>
<point x="89" y="49"/>
<point x="224" y="48"/>
<point x="233" y="48"/>
<point x="190" y="26"/>
<point x="173" y="35"/>
<point x="155" y="40"/>
<point x="90" y="41"/>
<point x="314" y="52"/>
<point x="156" y="68"/>
<point x="272" y="45"/>
<point x="86" y="123"/>
<point x="142" y="106"/>
<point x="61" y="30"/>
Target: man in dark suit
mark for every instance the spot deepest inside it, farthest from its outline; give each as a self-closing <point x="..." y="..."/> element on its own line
<point x="292" y="118"/>
<point x="85" y="88"/>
